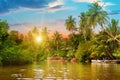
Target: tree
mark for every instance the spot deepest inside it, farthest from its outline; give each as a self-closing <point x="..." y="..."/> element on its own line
<point x="84" y="28"/>
<point x="3" y="31"/>
<point x="57" y="38"/>
<point x="114" y="29"/>
<point x="44" y="49"/>
<point x="100" y="46"/>
<point x="44" y="34"/>
<point x="15" y="35"/>
<point x="83" y="51"/>
<point x="35" y="30"/>
<point x="83" y="24"/>
<point x="70" y="24"/>
<point x="56" y="43"/>
<point x="103" y="46"/>
<point x="96" y="15"/>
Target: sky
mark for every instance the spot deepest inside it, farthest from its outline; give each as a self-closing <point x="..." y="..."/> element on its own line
<point x="23" y="15"/>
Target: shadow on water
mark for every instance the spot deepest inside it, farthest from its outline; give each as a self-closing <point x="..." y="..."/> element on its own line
<point x="61" y="71"/>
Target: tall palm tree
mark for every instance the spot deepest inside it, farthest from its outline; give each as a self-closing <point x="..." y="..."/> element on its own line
<point x="44" y="33"/>
<point x="85" y="29"/>
<point x="70" y="24"/>
<point x="57" y="38"/>
<point x="96" y="15"/>
<point x="83" y="24"/>
<point x="55" y="44"/>
<point x="114" y="29"/>
<point x="35" y="30"/>
<point x="105" y="43"/>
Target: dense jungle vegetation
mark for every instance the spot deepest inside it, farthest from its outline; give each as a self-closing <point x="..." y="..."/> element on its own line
<point x="83" y="43"/>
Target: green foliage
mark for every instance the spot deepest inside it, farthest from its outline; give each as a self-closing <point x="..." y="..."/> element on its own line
<point x="3" y="31"/>
<point x="83" y="52"/>
<point x="13" y="50"/>
<point x="117" y="53"/>
<point x="15" y="36"/>
<point x="96" y="15"/>
<point x="16" y="54"/>
<point x="70" y="24"/>
<point x="84" y="28"/>
<point x="9" y="56"/>
<point x="0" y="60"/>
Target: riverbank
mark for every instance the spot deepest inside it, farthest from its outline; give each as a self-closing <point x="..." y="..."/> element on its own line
<point x="56" y="59"/>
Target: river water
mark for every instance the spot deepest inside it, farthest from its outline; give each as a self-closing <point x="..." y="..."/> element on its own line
<point x="61" y="71"/>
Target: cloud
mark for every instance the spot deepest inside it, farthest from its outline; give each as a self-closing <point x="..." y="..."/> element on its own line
<point x="109" y="4"/>
<point x="7" y="6"/>
<point x="56" y="3"/>
<point x="105" y="4"/>
<point x="54" y="9"/>
<point x="55" y="6"/>
<point x="22" y="27"/>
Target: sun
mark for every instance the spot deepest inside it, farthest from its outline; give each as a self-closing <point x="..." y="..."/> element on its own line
<point x="38" y="39"/>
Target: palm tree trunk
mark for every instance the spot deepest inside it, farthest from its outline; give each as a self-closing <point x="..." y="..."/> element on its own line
<point x="84" y="34"/>
<point x="115" y="45"/>
<point x="113" y="37"/>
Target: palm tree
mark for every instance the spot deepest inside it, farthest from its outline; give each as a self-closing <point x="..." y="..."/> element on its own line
<point x="105" y="43"/>
<point x="57" y="39"/>
<point x="56" y="43"/>
<point x="35" y="31"/>
<point x="96" y="15"/>
<point x="83" y="24"/>
<point x="114" y="29"/>
<point x="101" y="48"/>
<point x="70" y="24"/>
<point x="44" y="34"/>
<point x="85" y="29"/>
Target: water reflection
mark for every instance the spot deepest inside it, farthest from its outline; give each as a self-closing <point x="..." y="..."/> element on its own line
<point x="105" y="71"/>
<point x="61" y="71"/>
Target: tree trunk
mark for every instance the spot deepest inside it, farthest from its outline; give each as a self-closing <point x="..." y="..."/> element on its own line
<point x="110" y="55"/>
<point x="113" y="37"/>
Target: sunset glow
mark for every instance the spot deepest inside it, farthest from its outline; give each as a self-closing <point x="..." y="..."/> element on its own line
<point x="38" y="39"/>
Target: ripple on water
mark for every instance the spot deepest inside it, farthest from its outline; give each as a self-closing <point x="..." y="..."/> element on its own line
<point x="22" y="70"/>
<point x="25" y="79"/>
<point x="16" y="75"/>
<point x="38" y="70"/>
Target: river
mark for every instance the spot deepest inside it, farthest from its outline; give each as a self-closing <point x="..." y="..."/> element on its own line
<point x="61" y="71"/>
